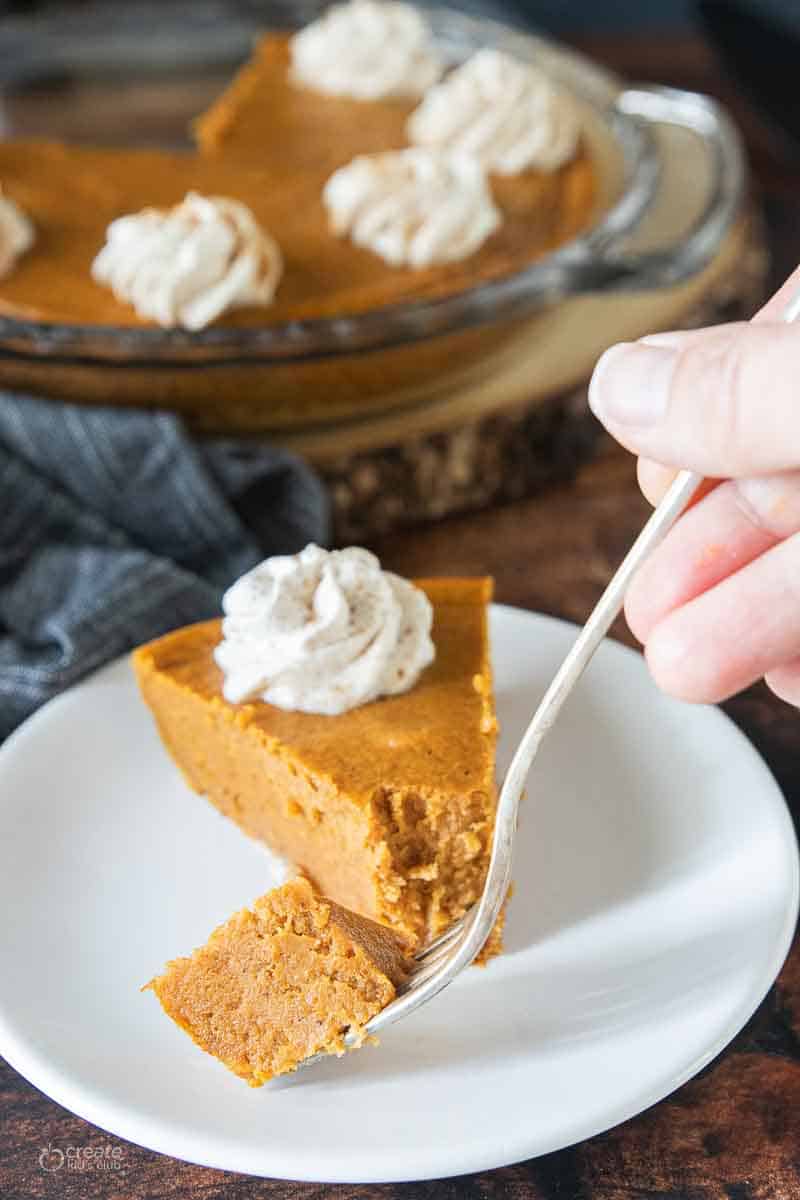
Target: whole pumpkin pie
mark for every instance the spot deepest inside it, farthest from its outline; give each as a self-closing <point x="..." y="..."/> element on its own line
<point x="282" y="981"/>
<point x="388" y="807"/>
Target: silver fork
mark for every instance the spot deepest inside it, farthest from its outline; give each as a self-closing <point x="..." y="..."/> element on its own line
<point x="438" y="963"/>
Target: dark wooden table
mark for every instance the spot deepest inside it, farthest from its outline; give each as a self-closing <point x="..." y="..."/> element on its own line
<point x="734" y="1131"/>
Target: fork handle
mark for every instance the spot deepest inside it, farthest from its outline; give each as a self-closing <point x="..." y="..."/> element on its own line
<point x="681" y="491"/>
<point x="607" y="609"/>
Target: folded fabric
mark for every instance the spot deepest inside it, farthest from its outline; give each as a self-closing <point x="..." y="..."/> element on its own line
<point x="115" y="526"/>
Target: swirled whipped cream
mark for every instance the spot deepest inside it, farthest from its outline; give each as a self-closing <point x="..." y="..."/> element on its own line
<point x="504" y="111"/>
<point x="412" y="207"/>
<point x="16" y="234"/>
<point x="322" y="631"/>
<point x="187" y="265"/>
<point x="367" y="49"/>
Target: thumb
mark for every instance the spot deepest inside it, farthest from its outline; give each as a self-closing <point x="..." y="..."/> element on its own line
<point x="724" y="402"/>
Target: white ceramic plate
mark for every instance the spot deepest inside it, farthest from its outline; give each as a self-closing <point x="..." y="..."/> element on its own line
<point x="657" y="891"/>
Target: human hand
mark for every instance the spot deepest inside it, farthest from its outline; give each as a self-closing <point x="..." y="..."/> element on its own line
<point x="717" y="606"/>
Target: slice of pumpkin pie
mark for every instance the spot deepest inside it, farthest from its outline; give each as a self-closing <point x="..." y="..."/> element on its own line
<point x="345" y="717"/>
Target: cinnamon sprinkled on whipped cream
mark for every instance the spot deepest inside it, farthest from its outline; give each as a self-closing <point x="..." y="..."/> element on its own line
<point x="16" y="234"/>
<point x="412" y="207"/>
<point x="187" y="265"/>
<point x="323" y="632"/>
<point x="367" y="49"/>
<point x="503" y="111"/>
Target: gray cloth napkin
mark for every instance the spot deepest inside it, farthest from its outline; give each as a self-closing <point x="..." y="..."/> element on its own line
<point x="115" y="526"/>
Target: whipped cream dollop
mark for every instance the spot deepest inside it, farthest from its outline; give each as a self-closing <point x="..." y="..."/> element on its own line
<point x="187" y="265"/>
<point x="504" y="111"/>
<point x="412" y="207"/>
<point x="322" y="631"/>
<point x="16" y="234"/>
<point x="367" y="49"/>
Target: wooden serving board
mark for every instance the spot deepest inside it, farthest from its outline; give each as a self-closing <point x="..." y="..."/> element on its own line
<point x="522" y="421"/>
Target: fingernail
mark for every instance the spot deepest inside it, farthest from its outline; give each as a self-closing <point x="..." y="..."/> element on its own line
<point x="630" y="384"/>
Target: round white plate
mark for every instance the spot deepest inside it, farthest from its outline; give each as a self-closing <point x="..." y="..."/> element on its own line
<point x="656" y="895"/>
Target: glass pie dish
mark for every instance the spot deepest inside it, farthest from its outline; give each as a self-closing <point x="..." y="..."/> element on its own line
<point x="304" y="373"/>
